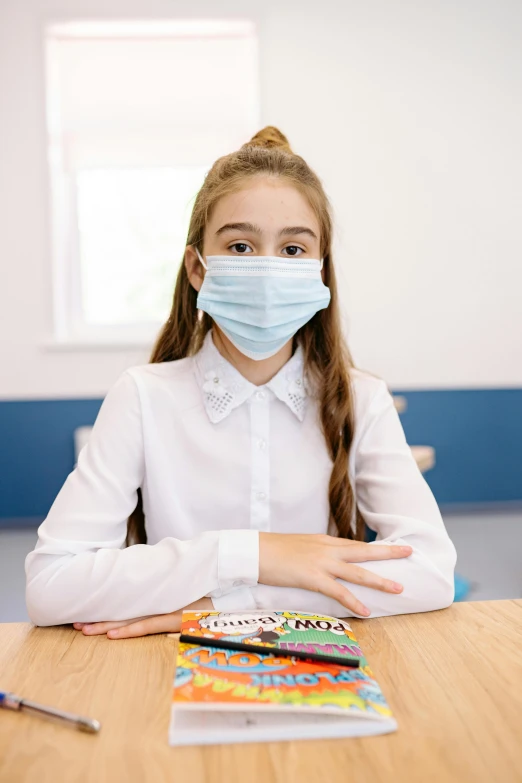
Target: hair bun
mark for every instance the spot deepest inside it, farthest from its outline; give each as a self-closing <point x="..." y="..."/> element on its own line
<point x="270" y="136"/>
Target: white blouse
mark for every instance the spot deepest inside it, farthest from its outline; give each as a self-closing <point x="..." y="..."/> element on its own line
<point x="219" y="459"/>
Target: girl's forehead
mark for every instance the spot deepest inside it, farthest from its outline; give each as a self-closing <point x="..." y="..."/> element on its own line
<point x="268" y="203"/>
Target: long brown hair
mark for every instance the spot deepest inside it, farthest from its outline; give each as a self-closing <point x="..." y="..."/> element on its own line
<point x="327" y="359"/>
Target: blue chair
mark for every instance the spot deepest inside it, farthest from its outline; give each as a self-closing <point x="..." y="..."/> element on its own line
<point x="462" y="587"/>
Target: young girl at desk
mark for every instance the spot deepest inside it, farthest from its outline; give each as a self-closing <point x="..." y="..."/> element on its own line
<point x="246" y="459"/>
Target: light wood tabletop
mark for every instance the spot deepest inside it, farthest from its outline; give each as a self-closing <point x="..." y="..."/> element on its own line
<point x="453" y="679"/>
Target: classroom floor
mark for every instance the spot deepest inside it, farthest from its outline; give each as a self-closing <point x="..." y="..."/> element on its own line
<point x="488" y="547"/>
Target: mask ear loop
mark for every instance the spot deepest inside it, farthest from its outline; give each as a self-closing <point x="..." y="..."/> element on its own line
<point x="321" y="267"/>
<point x="199" y="256"/>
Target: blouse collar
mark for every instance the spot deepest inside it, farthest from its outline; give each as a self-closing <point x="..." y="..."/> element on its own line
<point x="224" y="388"/>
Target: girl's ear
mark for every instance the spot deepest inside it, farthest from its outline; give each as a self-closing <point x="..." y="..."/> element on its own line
<point x="194" y="267"/>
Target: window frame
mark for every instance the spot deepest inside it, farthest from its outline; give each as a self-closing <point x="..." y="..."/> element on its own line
<point x="69" y="329"/>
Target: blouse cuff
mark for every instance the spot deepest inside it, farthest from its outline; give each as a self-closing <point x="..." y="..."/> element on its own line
<point x="235" y="601"/>
<point x="238" y="560"/>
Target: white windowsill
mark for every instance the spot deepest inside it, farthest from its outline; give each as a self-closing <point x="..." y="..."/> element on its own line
<point x="126" y="344"/>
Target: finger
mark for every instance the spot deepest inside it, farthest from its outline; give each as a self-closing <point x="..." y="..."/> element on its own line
<point x="95" y="629"/>
<point x="361" y="576"/>
<point x="78" y="626"/>
<point x="338" y="592"/>
<point x="161" y="623"/>
<point x="361" y="552"/>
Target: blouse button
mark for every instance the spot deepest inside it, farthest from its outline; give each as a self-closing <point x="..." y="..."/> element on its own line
<point x="261" y="444"/>
<point x="260" y="395"/>
<point x="261" y="496"/>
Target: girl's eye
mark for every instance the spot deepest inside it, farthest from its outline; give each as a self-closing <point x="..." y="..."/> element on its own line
<point x="242" y="248"/>
<point x="239" y="245"/>
<point x="294" y="248"/>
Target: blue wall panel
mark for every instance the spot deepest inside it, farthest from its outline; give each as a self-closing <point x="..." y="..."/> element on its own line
<point x="37" y="451"/>
<point x="477" y="435"/>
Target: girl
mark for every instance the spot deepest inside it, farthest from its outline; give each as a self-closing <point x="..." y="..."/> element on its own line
<point x="246" y="459"/>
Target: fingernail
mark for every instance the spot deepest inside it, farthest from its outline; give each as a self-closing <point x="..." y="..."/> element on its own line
<point x="406" y="549"/>
<point x="365" y="612"/>
<point x="397" y="587"/>
<point x="113" y="633"/>
<point x="87" y="627"/>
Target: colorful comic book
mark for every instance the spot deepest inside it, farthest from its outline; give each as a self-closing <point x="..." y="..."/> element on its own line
<point x="224" y="695"/>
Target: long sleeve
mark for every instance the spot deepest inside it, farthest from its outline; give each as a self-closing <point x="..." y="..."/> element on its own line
<point x="397" y="503"/>
<point x="79" y="570"/>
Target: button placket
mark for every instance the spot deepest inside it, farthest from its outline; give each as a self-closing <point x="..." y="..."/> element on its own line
<point x="260" y="463"/>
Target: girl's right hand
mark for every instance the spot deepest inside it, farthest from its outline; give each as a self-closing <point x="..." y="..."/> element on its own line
<point x="316" y="562"/>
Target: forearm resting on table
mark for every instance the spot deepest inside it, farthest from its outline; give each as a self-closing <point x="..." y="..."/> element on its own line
<point x="427" y="587"/>
<point x="142" y="580"/>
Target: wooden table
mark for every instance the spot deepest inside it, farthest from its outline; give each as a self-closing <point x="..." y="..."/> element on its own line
<point x="453" y="679"/>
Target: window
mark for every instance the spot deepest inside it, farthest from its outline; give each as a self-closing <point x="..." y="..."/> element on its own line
<point x="136" y="114"/>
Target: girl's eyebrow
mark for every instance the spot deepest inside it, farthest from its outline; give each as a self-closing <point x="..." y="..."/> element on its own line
<point x="252" y="228"/>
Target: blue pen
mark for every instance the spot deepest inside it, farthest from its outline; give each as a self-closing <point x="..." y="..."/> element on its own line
<point x="11" y="702"/>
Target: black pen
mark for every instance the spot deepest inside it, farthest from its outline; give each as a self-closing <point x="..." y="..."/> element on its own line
<point x="225" y="644"/>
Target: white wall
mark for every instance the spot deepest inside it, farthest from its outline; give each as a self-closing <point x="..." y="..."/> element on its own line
<point x="411" y="114"/>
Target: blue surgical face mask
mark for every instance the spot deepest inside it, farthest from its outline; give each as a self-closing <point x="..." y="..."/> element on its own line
<point x="260" y="302"/>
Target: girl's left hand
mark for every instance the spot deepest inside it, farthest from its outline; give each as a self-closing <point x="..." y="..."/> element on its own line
<point x="126" y="629"/>
<point x="142" y="626"/>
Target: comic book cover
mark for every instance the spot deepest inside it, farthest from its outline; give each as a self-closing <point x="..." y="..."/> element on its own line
<point x="296" y="632"/>
<point x="210" y="678"/>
